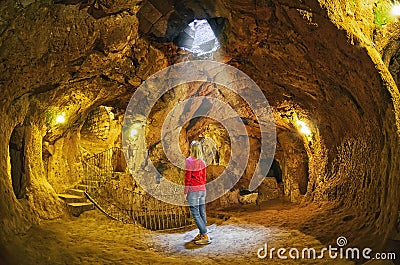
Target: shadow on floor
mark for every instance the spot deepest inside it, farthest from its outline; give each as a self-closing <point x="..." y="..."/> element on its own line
<point x="191" y="245"/>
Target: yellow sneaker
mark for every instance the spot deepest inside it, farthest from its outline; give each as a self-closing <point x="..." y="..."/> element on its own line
<point x="204" y="240"/>
<point x="198" y="237"/>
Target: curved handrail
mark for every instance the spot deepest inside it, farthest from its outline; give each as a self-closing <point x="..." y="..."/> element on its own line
<point x="99" y="207"/>
<point x="134" y="207"/>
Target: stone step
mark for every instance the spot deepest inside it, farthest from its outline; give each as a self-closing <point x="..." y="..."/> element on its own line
<point x="82" y="187"/>
<point x="70" y="198"/>
<point x="85" y="187"/>
<point x="76" y="208"/>
<point x="94" y="183"/>
<point x="77" y="192"/>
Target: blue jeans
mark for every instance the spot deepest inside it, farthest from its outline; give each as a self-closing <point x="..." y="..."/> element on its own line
<point x="197" y="201"/>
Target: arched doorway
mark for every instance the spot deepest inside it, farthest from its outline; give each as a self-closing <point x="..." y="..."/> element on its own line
<point x="275" y="171"/>
<point x="17" y="158"/>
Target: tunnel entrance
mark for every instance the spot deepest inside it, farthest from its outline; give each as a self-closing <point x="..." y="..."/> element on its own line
<point x="275" y="171"/>
<point x="17" y="158"/>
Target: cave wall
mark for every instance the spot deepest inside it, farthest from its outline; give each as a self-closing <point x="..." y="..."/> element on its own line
<point x="101" y="130"/>
<point x="294" y="161"/>
<point x="62" y="162"/>
<point x="13" y="217"/>
<point x="98" y="123"/>
<point x="358" y="17"/>
<point x="59" y="58"/>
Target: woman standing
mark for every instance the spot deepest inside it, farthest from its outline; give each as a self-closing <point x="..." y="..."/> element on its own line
<point x="195" y="190"/>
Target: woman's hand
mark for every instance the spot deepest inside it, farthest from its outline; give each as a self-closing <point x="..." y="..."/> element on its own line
<point x="185" y="197"/>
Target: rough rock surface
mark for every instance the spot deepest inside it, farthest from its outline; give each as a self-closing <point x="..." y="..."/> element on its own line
<point x="269" y="190"/>
<point x="248" y="198"/>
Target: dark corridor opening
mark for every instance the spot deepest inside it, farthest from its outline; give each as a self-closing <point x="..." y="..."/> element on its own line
<point x="17" y="158"/>
<point x="275" y="171"/>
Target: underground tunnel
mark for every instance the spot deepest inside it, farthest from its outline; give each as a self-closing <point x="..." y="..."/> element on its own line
<point x="295" y="104"/>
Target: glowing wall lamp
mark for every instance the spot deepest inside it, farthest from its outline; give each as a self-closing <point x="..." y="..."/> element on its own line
<point x="303" y="128"/>
<point x="60" y="118"/>
<point x="396" y="11"/>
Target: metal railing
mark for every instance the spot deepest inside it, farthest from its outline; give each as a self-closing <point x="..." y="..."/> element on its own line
<point x="114" y="192"/>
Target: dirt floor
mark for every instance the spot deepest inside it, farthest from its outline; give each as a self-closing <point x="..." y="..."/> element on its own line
<point x="236" y="234"/>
